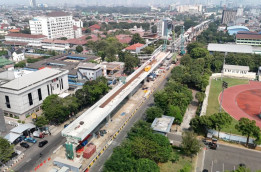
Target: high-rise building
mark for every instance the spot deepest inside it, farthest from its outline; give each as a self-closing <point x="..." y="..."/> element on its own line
<point x="240" y="12"/>
<point x="164" y="27"/>
<point x="32" y="3"/>
<point x="54" y="25"/>
<point x="228" y="16"/>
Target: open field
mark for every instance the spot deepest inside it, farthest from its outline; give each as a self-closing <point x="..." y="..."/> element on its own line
<point x="213" y="104"/>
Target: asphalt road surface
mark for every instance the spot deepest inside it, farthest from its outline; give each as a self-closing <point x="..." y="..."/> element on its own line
<point x="32" y="155"/>
<point x="98" y="165"/>
<point x="229" y="158"/>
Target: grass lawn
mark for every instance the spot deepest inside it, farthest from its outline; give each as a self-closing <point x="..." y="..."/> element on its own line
<point x="175" y="167"/>
<point x="213" y="104"/>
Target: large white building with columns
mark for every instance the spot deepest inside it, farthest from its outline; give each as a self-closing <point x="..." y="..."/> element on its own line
<point x="23" y="92"/>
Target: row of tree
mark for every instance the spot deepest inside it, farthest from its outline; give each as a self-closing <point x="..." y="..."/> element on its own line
<point x="212" y="35"/>
<point x="218" y="121"/>
<point x="57" y="110"/>
<point x="140" y="152"/>
<point x="124" y="25"/>
<point x="143" y="149"/>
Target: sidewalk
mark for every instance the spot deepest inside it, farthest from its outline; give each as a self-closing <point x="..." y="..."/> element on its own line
<point x="190" y="113"/>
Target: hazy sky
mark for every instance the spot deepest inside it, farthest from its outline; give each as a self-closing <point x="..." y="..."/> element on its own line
<point x="120" y="2"/>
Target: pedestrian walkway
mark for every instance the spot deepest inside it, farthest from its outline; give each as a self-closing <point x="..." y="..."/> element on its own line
<point x="190" y="113"/>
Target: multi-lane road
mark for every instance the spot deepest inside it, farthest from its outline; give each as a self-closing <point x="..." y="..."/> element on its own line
<point x="228" y="158"/>
<point x="32" y="155"/>
<point x="98" y="165"/>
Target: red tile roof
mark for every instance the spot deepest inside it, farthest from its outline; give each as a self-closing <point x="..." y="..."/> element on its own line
<point x="15" y="43"/>
<point x="95" y="26"/>
<point x="77" y="41"/>
<point x="124" y="39"/>
<point x="248" y="36"/>
<point x="134" y="46"/>
<point x="22" y="35"/>
<point x="55" y="41"/>
<point x="14" y="30"/>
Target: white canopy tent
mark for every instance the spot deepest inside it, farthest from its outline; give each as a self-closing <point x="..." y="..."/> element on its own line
<point x="21" y="128"/>
<point x="11" y="137"/>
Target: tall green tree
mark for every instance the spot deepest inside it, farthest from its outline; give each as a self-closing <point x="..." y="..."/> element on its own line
<point x="6" y="150"/>
<point x="146" y="165"/>
<point x="79" y="49"/>
<point x="137" y="39"/>
<point x="41" y="121"/>
<point x="176" y="113"/>
<point x="130" y="62"/>
<point x="121" y="160"/>
<point x="220" y="120"/>
<point x="198" y="52"/>
<point x="248" y="128"/>
<point x="190" y="144"/>
<point x="152" y="113"/>
<point x="200" y="124"/>
<point x="54" y="110"/>
<point x="154" y="29"/>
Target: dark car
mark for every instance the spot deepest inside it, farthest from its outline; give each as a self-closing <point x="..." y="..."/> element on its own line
<point x="213" y="146"/>
<point x="259" y="116"/>
<point x="42" y="143"/>
<point x="25" y="145"/>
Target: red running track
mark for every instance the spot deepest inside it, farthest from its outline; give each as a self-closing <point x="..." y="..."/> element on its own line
<point x="243" y="101"/>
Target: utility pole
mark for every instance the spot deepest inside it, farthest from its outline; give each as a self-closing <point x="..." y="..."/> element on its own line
<point x="224" y="85"/>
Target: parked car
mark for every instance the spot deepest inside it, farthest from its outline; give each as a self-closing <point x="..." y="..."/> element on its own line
<point x="25" y="145"/>
<point x="30" y="140"/>
<point x="42" y="143"/>
<point x="259" y="116"/>
<point x="65" y="125"/>
<point x="213" y="146"/>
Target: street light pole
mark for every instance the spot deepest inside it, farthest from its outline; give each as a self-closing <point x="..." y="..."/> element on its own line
<point x="224" y="85"/>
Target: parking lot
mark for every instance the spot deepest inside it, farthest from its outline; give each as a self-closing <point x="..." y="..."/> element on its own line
<point x="229" y="158"/>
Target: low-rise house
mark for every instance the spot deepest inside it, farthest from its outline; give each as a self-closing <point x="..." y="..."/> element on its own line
<point x="162" y="125"/>
<point x="89" y="71"/>
<point x="238" y="71"/>
<point x="16" y="55"/>
<point x="135" y="48"/>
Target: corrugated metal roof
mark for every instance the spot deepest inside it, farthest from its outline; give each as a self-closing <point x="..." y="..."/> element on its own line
<point x="230" y="48"/>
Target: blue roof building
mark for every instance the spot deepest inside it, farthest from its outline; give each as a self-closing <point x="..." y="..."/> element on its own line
<point x="232" y="30"/>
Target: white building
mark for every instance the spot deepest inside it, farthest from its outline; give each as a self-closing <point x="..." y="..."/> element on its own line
<point x="23" y="92"/>
<point x="189" y="8"/>
<point x="54" y="25"/>
<point x="16" y="55"/>
<point x="163" y="124"/>
<point x="24" y="39"/>
<point x="78" y="23"/>
<point x="77" y="32"/>
<point x="89" y="71"/>
<point x="32" y="3"/>
<point x="164" y="27"/>
<point x="238" y="71"/>
<point x="58" y="45"/>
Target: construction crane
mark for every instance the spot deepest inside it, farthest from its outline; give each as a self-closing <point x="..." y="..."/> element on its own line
<point x="182" y="44"/>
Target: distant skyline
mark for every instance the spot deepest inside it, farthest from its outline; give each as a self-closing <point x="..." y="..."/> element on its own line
<point x="125" y="2"/>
